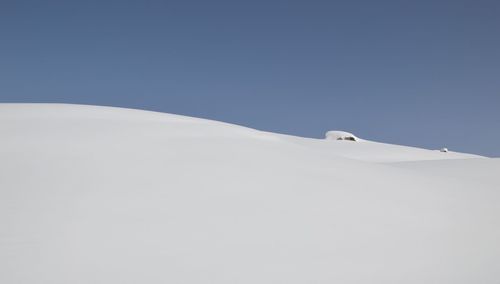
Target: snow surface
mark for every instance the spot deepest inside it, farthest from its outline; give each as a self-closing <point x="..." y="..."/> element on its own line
<point x="108" y="195"/>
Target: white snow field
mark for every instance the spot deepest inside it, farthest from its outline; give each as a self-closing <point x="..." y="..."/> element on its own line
<point x="107" y="195"/>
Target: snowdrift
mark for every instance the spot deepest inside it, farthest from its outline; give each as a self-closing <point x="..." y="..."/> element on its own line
<point x="107" y="195"/>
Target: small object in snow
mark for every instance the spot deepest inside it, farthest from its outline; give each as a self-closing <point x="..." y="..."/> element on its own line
<point x="444" y="150"/>
<point x="340" y="135"/>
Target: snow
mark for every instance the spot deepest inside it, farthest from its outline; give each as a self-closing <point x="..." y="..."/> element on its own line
<point x="107" y="195"/>
<point x="340" y="135"/>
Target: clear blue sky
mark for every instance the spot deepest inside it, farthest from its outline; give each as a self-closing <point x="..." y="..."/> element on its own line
<point x="421" y="73"/>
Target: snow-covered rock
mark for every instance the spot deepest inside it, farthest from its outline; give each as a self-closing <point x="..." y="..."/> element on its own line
<point x="340" y="135"/>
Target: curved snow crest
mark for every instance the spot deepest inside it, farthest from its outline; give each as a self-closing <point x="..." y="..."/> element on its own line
<point x="186" y="126"/>
<point x="72" y="112"/>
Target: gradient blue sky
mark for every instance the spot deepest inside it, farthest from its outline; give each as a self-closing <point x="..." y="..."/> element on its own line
<point x="420" y="73"/>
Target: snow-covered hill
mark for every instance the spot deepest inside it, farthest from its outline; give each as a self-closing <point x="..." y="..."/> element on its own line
<point x="108" y="195"/>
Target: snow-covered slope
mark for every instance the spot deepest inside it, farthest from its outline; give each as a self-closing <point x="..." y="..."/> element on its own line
<point x="108" y="195"/>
